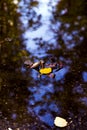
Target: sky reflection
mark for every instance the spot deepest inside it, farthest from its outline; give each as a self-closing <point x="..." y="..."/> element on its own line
<point x="43" y="31"/>
<point x="84" y="76"/>
<point x="40" y="101"/>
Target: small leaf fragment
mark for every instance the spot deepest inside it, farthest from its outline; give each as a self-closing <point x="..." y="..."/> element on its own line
<point x="60" y="122"/>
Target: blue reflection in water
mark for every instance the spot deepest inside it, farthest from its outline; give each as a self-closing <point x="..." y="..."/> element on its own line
<point x="84" y="76"/>
<point x="14" y="116"/>
<point x="44" y="112"/>
<point x="78" y="89"/>
<point x="40" y="100"/>
<point x="37" y="94"/>
<point x="43" y="30"/>
<point x="53" y="107"/>
<point x="83" y="100"/>
<point x="61" y="73"/>
<point x="42" y="105"/>
<point x="47" y="118"/>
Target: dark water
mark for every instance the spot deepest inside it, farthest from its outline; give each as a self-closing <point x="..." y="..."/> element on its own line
<point x="27" y="29"/>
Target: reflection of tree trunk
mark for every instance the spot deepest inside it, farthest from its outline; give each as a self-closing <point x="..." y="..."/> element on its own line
<point x="3" y="21"/>
<point x="2" y="27"/>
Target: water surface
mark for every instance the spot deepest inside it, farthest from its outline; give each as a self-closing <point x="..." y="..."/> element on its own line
<point x="39" y="30"/>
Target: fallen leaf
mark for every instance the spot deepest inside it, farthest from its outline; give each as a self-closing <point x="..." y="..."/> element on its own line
<point x="60" y="122"/>
<point x="45" y="70"/>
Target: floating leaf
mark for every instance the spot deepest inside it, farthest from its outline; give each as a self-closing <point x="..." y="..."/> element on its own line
<point x="36" y="64"/>
<point x="28" y="62"/>
<point x="60" y="122"/>
<point x="45" y="70"/>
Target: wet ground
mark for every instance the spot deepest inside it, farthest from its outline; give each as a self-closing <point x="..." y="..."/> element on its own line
<point x="40" y="30"/>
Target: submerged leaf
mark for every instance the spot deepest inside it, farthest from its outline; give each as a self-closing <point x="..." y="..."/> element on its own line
<point x="60" y="122"/>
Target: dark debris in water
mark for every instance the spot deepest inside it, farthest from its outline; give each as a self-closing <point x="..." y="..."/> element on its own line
<point x="32" y="124"/>
<point x="78" y="123"/>
<point x="8" y="125"/>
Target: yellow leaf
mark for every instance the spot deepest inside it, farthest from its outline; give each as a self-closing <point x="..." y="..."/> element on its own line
<point x="45" y="70"/>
